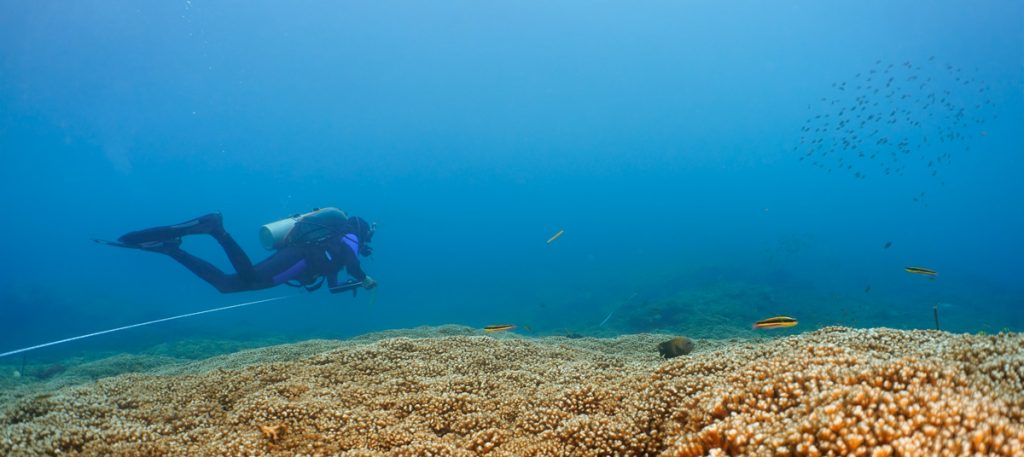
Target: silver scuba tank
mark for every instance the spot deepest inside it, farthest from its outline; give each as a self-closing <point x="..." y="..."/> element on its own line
<point x="300" y="228"/>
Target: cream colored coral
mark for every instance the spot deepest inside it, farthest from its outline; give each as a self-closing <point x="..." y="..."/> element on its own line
<point x="836" y="391"/>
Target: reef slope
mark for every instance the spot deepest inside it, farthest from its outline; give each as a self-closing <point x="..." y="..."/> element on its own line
<point x="873" y="392"/>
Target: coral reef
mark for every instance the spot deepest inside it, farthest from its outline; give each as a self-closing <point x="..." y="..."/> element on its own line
<point x="836" y="391"/>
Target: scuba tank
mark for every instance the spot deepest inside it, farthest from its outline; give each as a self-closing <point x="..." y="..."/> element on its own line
<point x="308" y="228"/>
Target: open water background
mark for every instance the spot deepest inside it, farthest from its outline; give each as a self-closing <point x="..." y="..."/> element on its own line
<point x="663" y="137"/>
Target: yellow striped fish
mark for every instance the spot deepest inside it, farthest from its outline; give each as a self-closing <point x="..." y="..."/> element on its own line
<point x="499" y="328"/>
<point x="553" y="238"/>
<point x="775" y="322"/>
<point x="921" y="271"/>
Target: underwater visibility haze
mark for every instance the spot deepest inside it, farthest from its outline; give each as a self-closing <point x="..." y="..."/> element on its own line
<point x="533" y="169"/>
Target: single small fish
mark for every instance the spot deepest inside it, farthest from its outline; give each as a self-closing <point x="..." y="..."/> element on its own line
<point x="776" y="322"/>
<point x="921" y="271"/>
<point x="888" y="244"/>
<point x="867" y="289"/>
<point x="499" y="328"/>
<point x="555" y="237"/>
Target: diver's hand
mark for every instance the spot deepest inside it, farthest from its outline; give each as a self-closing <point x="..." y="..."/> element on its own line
<point x="369" y="283"/>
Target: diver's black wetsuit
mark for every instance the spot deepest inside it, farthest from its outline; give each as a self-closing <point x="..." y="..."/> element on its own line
<point x="300" y="265"/>
<point x="334" y="246"/>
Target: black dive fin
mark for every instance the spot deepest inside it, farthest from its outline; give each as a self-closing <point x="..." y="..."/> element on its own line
<point x="116" y="244"/>
<point x="154" y="246"/>
<point x="202" y="224"/>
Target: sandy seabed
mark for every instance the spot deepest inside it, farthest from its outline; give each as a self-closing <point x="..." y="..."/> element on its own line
<point x="835" y="391"/>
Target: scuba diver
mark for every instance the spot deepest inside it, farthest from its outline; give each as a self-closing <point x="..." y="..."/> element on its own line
<point x="307" y="249"/>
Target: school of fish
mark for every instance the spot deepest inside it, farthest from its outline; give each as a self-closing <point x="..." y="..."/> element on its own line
<point x="895" y="119"/>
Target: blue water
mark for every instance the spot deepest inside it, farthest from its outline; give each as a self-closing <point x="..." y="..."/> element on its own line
<point x="663" y="137"/>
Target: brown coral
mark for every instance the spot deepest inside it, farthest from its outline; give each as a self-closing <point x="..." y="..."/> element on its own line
<point x="836" y="391"/>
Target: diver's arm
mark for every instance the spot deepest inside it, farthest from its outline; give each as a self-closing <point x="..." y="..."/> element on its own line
<point x="357" y="272"/>
<point x="354" y="269"/>
<point x="335" y="287"/>
<point x="344" y="259"/>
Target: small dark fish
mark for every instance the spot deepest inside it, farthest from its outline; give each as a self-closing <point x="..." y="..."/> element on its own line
<point x="867" y="289"/>
<point x="888" y="244"/>
<point x="675" y="347"/>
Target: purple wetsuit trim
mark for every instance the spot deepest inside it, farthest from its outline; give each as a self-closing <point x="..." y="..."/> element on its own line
<point x="352" y="241"/>
<point x="290" y="273"/>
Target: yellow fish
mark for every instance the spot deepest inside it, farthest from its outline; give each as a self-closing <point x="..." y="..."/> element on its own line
<point x="560" y="232"/>
<point x="776" y="322"/>
<point x="499" y="328"/>
<point x="921" y="271"/>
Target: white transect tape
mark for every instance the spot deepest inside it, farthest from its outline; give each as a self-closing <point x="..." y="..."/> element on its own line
<point x="104" y="332"/>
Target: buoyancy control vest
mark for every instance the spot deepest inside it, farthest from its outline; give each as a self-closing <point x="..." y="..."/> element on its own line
<point x="303" y="229"/>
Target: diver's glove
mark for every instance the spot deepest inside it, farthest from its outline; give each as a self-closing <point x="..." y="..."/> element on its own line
<point x="369" y="283"/>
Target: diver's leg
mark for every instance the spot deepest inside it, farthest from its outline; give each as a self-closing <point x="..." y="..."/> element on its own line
<point x="224" y="283"/>
<point x="283" y="266"/>
<point x="236" y="255"/>
<point x="167" y="240"/>
<point x="203" y="224"/>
